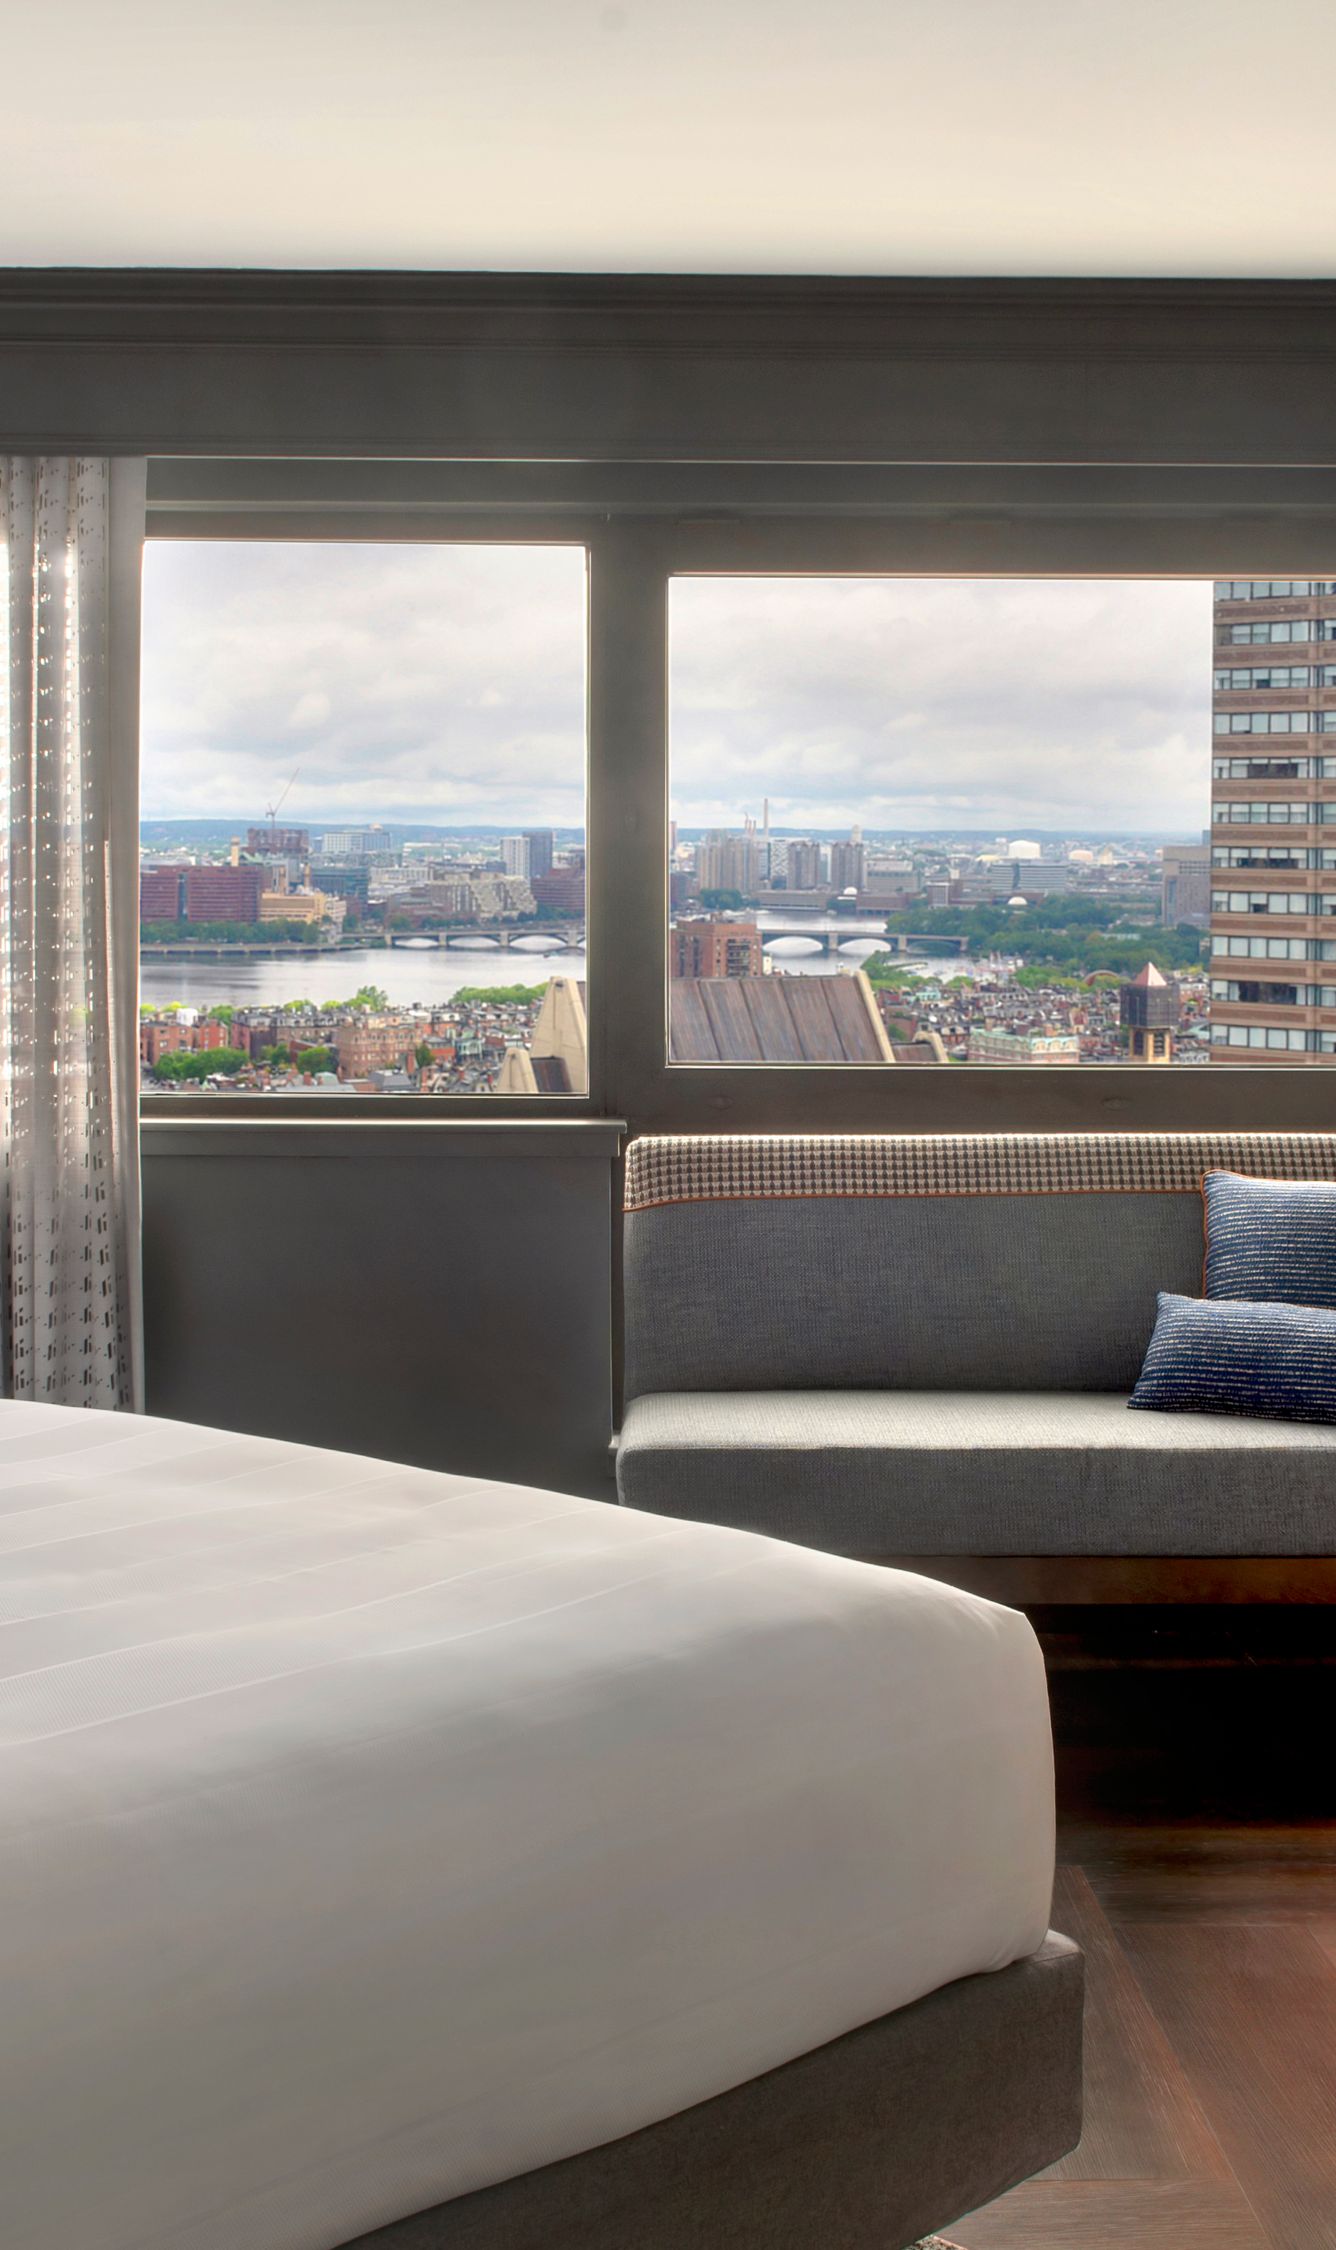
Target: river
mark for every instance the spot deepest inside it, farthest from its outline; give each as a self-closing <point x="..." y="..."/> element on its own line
<point x="432" y="976"/>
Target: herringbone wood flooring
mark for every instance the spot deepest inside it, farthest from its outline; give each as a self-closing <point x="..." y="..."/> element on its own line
<point x="1198" y="1871"/>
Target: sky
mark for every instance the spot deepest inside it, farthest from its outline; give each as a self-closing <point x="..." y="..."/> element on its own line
<point x="447" y="684"/>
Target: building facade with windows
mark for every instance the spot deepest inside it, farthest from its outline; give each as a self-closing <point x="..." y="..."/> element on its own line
<point x="1273" y="822"/>
<point x="1185" y="884"/>
<point x="708" y="948"/>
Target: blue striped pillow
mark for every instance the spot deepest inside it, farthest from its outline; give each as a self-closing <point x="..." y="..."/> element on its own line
<point x="1272" y="1241"/>
<point x="1237" y="1357"/>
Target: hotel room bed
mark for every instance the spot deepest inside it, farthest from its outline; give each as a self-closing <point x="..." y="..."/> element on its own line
<point x="374" y="1843"/>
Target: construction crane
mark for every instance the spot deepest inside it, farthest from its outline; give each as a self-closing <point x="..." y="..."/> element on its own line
<point x="271" y="812"/>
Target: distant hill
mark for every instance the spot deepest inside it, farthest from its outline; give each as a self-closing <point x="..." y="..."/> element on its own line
<point x="162" y="833"/>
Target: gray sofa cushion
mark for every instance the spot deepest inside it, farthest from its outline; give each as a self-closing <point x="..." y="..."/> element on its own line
<point x="979" y="1473"/>
<point x="994" y="1292"/>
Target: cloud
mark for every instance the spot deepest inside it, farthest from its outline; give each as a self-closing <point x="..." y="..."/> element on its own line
<point x="999" y="704"/>
<point x="432" y="683"/>
<point x="447" y="683"/>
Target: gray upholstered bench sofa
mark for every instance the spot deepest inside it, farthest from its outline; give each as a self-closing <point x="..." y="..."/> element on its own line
<point x="920" y="1349"/>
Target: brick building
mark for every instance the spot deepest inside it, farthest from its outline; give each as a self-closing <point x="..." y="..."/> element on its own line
<point x="561" y="892"/>
<point x="223" y="894"/>
<point x="160" y="894"/>
<point x="368" y="1043"/>
<point x="708" y="948"/>
<point x="1273" y="852"/>
<point x="172" y="1038"/>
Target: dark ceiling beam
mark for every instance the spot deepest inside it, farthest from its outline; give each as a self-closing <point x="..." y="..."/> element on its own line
<point x="665" y="368"/>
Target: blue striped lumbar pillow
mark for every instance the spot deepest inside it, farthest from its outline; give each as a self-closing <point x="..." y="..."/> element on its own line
<point x="1238" y="1357"/>
<point x="1272" y="1241"/>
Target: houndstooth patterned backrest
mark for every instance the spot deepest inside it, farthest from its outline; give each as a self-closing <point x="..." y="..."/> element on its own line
<point x="956" y="1261"/>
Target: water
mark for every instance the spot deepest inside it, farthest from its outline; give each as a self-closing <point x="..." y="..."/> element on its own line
<point x="431" y="978"/>
<point x="406" y="977"/>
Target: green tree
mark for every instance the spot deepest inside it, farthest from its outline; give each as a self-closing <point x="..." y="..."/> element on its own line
<point x="313" y="1059"/>
<point x="197" y="1063"/>
<point x="423" y="1055"/>
<point x="722" y="902"/>
<point x="505" y="995"/>
<point x="369" y="996"/>
<point x="224" y="1013"/>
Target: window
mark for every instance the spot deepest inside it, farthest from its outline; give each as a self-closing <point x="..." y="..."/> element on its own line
<point x="1268" y="812"/>
<point x="1264" y="948"/>
<point x="1273" y="631"/>
<point x="1274" y="995"/>
<point x="1266" y="769"/>
<point x="1277" y="1039"/>
<point x="1254" y="677"/>
<point x="363" y="818"/>
<point x="1272" y="722"/>
<point x="932" y="822"/>
<point x="1271" y="589"/>
<point x="1270" y="902"/>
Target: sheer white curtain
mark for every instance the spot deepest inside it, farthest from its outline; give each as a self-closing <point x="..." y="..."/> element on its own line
<point x="71" y="535"/>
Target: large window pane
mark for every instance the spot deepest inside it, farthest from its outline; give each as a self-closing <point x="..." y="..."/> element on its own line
<point x="946" y="822"/>
<point x="363" y="818"/>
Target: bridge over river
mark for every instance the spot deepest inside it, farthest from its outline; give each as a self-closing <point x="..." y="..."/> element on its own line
<point x="492" y="937"/>
<point x="838" y="937"/>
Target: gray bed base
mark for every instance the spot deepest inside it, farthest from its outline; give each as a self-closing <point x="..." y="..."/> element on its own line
<point x="882" y="2136"/>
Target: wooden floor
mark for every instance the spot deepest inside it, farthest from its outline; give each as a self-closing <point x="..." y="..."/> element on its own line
<point x="1210" y="1940"/>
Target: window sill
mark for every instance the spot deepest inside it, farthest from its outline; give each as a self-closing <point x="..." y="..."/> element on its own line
<point x="392" y="1138"/>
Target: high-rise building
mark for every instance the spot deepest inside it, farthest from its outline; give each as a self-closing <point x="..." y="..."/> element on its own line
<point x="1185" y="884"/>
<point x="542" y="848"/>
<point x="726" y="862"/>
<point x="848" y="865"/>
<point x="1273" y="822"/>
<point x="515" y="854"/>
<point x="806" y="865"/>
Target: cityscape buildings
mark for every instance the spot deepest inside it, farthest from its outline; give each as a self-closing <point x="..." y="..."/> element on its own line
<point x="528" y="855"/>
<point x="990" y="949"/>
<point x="848" y="865"/>
<point x="701" y="946"/>
<point x="1185" y="894"/>
<point x="1150" y="1010"/>
<point x="725" y="862"/>
<point x="1273" y="822"/>
<point x="805" y="865"/>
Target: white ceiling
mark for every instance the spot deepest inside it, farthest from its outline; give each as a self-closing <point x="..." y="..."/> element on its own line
<point x="1172" y="137"/>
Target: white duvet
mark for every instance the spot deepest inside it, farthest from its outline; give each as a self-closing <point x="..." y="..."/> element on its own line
<point x="369" y="1835"/>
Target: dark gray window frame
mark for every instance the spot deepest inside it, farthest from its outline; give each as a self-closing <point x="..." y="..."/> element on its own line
<point x="381" y="524"/>
<point x="642" y="524"/>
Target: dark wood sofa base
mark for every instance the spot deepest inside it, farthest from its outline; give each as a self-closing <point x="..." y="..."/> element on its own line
<point x="868" y="2143"/>
<point x="1072" y="1581"/>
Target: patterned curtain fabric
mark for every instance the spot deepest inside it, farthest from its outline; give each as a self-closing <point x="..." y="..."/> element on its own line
<point x="70" y="542"/>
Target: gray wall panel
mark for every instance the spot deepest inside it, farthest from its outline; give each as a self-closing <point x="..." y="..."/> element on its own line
<point x="436" y="1296"/>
